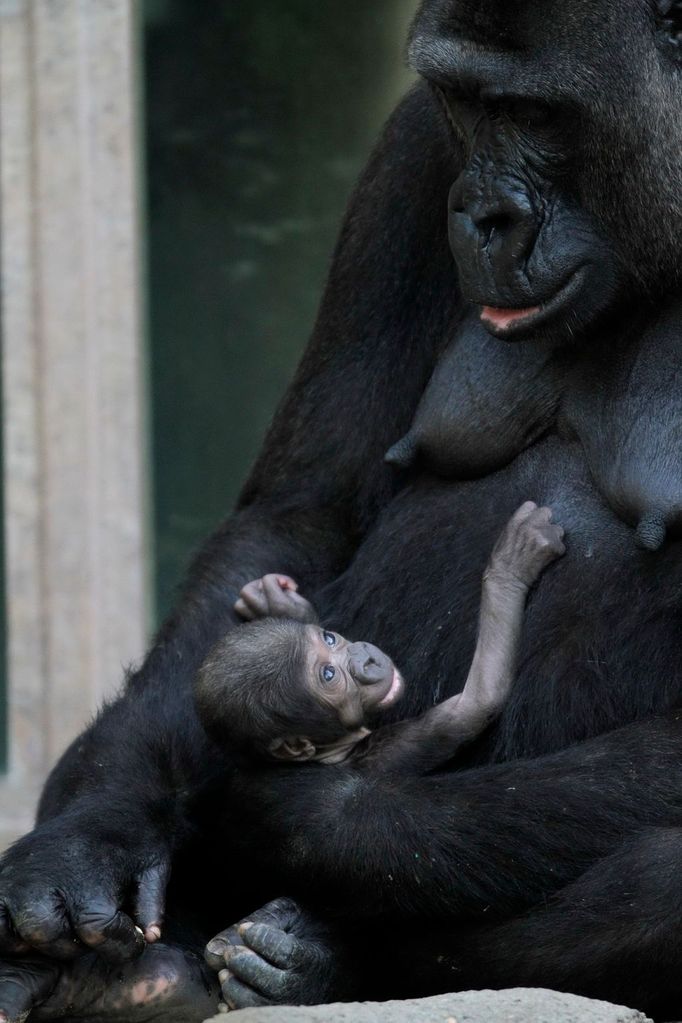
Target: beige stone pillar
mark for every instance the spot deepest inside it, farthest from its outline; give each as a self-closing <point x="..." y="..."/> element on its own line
<point x="73" y="374"/>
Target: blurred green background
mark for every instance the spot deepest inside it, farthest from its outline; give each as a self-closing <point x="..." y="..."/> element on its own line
<point x="259" y="116"/>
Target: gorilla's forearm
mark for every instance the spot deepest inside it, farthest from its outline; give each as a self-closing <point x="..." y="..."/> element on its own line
<point x="455" y="845"/>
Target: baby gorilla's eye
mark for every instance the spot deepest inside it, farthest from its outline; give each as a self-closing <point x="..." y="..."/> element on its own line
<point x="328" y="673"/>
<point x="329" y="638"/>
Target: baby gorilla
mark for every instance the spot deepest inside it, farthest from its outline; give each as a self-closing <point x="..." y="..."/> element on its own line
<point x="283" y="687"/>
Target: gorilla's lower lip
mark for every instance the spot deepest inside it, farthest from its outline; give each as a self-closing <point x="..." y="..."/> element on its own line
<point x="512" y="323"/>
<point x="394" y="692"/>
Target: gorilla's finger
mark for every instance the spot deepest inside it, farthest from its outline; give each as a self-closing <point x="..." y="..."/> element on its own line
<point x="272" y="943"/>
<point x="243" y="610"/>
<point x="522" y="513"/>
<point x="151" y="899"/>
<point x="10" y="942"/>
<point x="544" y="514"/>
<point x="254" y="597"/>
<point x="280" y="914"/>
<point x="250" y="969"/>
<point x="287" y="583"/>
<point x="277" y="598"/>
<point x="102" y="926"/>
<point x="45" y="926"/>
<point x="23" y="984"/>
<point x="240" y="996"/>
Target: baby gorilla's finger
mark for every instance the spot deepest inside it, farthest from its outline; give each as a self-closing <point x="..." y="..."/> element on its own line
<point x="243" y="610"/>
<point x="524" y="512"/>
<point x="278" y="600"/>
<point x="23" y="984"/>
<point x="287" y="583"/>
<point x="271" y="943"/>
<point x="250" y="969"/>
<point x="541" y="515"/>
<point x="253" y="595"/>
<point x="240" y="996"/>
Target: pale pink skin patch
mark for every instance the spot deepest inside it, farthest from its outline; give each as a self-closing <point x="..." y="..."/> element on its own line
<point x="503" y="318"/>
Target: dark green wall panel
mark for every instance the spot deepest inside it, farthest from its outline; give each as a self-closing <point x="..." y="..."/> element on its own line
<point x="260" y="114"/>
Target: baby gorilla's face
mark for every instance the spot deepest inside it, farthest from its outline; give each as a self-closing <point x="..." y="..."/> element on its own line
<point x="354" y="680"/>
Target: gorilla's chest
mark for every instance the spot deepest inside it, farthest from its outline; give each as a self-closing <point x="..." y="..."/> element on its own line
<point x="598" y="438"/>
<point x="620" y="399"/>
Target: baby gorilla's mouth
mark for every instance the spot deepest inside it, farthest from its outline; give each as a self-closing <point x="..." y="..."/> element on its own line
<point x="394" y="692"/>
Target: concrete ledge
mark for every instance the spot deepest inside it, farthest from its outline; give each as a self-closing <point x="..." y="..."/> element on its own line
<point x="517" y="1005"/>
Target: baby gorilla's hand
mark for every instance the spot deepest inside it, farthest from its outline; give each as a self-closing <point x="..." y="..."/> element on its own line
<point x="274" y="596"/>
<point x="529" y="543"/>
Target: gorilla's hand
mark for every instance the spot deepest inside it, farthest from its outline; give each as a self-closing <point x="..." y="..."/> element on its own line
<point x="274" y="596"/>
<point x="270" y="958"/>
<point x="72" y="884"/>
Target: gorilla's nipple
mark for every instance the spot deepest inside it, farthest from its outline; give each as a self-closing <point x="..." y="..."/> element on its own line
<point x="651" y="531"/>
<point x="403" y="454"/>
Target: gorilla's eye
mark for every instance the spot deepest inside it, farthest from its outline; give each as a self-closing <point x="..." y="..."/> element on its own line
<point x="328" y="673"/>
<point x="329" y="638"/>
<point x="528" y="113"/>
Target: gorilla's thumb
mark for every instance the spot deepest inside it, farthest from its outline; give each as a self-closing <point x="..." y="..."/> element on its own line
<point x="150" y="900"/>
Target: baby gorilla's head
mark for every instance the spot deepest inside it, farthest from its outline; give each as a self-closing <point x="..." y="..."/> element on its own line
<point x="293" y="691"/>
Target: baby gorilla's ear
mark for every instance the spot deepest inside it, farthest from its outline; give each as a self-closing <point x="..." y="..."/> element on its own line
<point x="292" y="748"/>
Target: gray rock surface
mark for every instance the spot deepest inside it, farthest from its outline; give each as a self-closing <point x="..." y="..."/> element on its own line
<point x="517" y="1005"/>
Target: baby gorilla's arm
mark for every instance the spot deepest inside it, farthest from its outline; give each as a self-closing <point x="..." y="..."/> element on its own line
<point x="274" y="596"/>
<point x="528" y="544"/>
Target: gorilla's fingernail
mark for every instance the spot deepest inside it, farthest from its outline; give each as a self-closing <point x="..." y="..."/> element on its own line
<point x="245" y="926"/>
<point x="223" y="976"/>
<point x="216" y="947"/>
<point x="222" y="1007"/>
<point x="152" y="934"/>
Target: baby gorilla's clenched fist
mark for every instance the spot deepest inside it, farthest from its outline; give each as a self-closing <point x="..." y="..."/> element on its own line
<point x="527" y="545"/>
<point x="274" y="596"/>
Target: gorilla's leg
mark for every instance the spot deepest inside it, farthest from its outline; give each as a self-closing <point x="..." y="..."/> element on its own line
<point x="165" y="982"/>
<point x="615" y="934"/>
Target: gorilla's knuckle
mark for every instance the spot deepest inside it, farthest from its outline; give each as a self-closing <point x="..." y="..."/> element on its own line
<point x="95" y="927"/>
<point x="39" y="925"/>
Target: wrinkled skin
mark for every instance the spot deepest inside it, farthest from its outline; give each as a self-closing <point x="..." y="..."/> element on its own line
<point x="553" y="859"/>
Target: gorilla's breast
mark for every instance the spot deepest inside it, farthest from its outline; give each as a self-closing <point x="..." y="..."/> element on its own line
<point x="619" y="396"/>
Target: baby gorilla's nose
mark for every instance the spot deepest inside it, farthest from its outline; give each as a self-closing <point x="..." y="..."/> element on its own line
<point x="368" y="665"/>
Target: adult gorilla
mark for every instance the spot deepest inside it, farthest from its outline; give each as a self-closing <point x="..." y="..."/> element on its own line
<point x="560" y="125"/>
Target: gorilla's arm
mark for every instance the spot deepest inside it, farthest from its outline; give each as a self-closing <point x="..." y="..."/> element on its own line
<point x="114" y="809"/>
<point x="456" y="844"/>
<point x="562" y="840"/>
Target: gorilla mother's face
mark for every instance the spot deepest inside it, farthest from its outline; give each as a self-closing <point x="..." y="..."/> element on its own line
<point x="570" y="117"/>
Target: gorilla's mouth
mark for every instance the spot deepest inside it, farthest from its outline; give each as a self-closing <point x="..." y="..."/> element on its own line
<point x="394" y="692"/>
<point x="516" y="324"/>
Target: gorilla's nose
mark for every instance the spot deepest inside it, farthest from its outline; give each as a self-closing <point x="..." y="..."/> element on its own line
<point x="368" y="664"/>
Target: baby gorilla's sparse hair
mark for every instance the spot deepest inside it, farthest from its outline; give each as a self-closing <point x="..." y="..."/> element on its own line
<point x="251" y="688"/>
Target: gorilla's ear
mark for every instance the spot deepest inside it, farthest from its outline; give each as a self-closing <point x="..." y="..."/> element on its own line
<point x="292" y="748"/>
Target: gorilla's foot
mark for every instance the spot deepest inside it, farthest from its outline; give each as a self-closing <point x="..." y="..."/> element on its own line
<point x="165" y="983"/>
